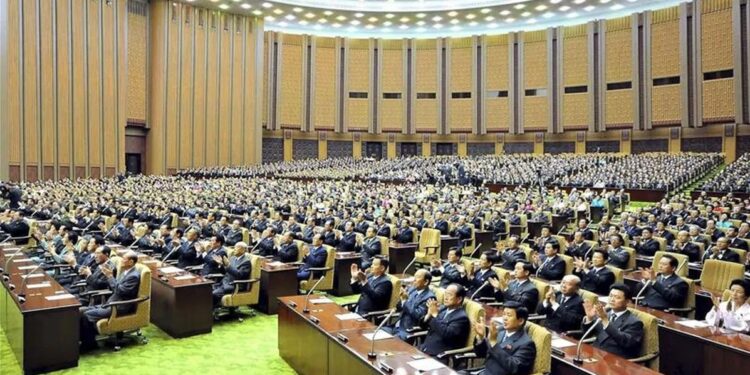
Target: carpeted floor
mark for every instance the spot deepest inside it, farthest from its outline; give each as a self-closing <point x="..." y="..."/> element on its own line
<point x="234" y="347"/>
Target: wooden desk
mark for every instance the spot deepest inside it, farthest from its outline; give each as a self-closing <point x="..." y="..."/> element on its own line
<point x="400" y="255"/>
<point x="446" y="242"/>
<point x="710" y="350"/>
<point x="43" y="334"/>
<point x="275" y="282"/>
<point x="604" y="362"/>
<point x="313" y="348"/>
<point x="342" y="271"/>
<point x="535" y="228"/>
<point x="180" y="306"/>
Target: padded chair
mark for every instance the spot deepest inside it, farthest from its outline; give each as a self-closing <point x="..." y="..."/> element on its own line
<point x="475" y="312"/>
<point x="662" y="243"/>
<point x="563" y="243"/>
<point x="542" y="338"/>
<point x="587" y="295"/>
<point x="681" y="259"/>
<point x="377" y="316"/>
<point x="327" y="283"/>
<point x="429" y="246"/>
<point x="631" y="259"/>
<point x="384" y="241"/>
<point x="619" y="273"/>
<point x="649" y="355"/>
<point x="232" y="302"/>
<point x="742" y="253"/>
<point x="300" y="245"/>
<point x="116" y="326"/>
<point x="717" y="274"/>
<point x="569" y="266"/>
<point x="688" y="307"/>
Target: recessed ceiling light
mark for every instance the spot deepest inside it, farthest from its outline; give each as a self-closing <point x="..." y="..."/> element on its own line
<point x="389" y="15"/>
<point x="604" y="1"/>
<point x="541" y="7"/>
<point x="322" y="20"/>
<point x="354" y="22"/>
<point x="420" y="23"/>
<point x="452" y="13"/>
<point x="589" y="8"/>
<point x="266" y="5"/>
<point x="303" y="22"/>
<point x="278" y="11"/>
<point x="492" y="25"/>
<point x="359" y="15"/>
<point x="470" y="16"/>
<point x="224" y="6"/>
<point x="525" y="14"/>
<point x="336" y="25"/>
<point x="519" y="6"/>
<point x="489" y="18"/>
<point x="283" y="24"/>
<point x="420" y="15"/>
<point x="486" y="10"/>
<point x="403" y="27"/>
<point x="554" y="1"/>
<point x="369" y="27"/>
<point x="437" y="26"/>
<point x="548" y="15"/>
<point x="297" y="10"/>
<point x="616" y="7"/>
<point x="341" y="18"/>
<point x="505" y="12"/>
<point x="473" y="23"/>
<point x="270" y="18"/>
<point x="246" y="6"/>
<point x="257" y="12"/>
<point x="373" y="19"/>
<point x="404" y="19"/>
<point x="564" y="8"/>
<point x="572" y="15"/>
<point x="328" y="13"/>
<point x="387" y="23"/>
<point x="579" y="1"/>
<point x="510" y="19"/>
<point x="455" y="21"/>
<point x="310" y="15"/>
<point x="290" y="17"/>
<point x="437" y="18"/>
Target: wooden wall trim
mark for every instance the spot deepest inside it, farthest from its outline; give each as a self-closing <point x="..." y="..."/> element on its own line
<point x="4" y="167"/>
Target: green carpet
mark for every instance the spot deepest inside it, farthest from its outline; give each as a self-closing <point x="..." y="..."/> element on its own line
<point x="233" y="347"/>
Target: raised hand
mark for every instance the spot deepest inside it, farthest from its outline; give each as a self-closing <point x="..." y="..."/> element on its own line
<point x="590" y="309"/>
<point x="480" y="330"/>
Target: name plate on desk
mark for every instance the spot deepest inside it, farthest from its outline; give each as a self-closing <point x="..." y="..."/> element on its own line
<point x="318" y="301"/>
<point x="59" y="297"/>
<point x="37" y="286"/>
<point x="427" y="364"/>
<point x="381" y="335"/>
<point x="560" y="343"/>
<point x="693" y="323"/>
<point x="169" y="270"/>
<point x="22" y="260"/>
<point x="27" y="267"/>
<point x="33" y="275"/>
<point x="349" y="316"/>
<point x="184" y="277"/>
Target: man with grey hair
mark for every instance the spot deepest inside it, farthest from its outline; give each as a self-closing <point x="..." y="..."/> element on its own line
<point x="564" y="309"/>
<point x="124" y="287"/>
<point x="237" y="267"/>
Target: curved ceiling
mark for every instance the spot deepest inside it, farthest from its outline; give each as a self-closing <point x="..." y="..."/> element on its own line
<point x="426" y="18"/>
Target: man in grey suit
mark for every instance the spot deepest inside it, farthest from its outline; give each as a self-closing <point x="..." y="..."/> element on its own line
<point x="124" y="288"/>
<point x="237" y="267"/>
<point x="413" y="303"/>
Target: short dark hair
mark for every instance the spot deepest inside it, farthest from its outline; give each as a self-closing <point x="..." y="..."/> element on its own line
<point x="99" y="240"/>
<point x="428" y="277"/>
<point x="106" y="250"/>
<point x="460" y="290"/>
<point x="672" y="260"/>
<point x="555" y="245"/>
<point x="179" y="231"/>
<point x="219" y="238"/>
<point x="383" y="261"/>
<point x="521" y="311"/>
<point x="604" y="253"/>
<point x="527" y="266"/>
<point x="457" y="251"/>
<point x="490" y="256"/>
<point x="622" y="287"/>
<point x="743" y="283"/>
<point x="72" y="237"/>
<point x="647" y="229"/>
<point x="619" y="237"/>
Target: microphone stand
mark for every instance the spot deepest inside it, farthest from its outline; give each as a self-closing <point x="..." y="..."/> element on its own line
<point x="7" y="262"/>
<point x="475" y="250"/>
<point x="487" y="282"/>
<point x="307" y="297"/>
<point x="578" y="360"/>
<point x="409" y="265"/>
<point x="372" y="354"/>
<point x="21" y="294"/>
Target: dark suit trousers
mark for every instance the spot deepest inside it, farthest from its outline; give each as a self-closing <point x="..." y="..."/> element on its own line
<point x="89" y="317"/>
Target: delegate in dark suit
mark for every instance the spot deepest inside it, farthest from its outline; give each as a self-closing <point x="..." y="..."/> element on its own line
<point x="124" y="287"/>
<point x="266" y="247"/>
<point x="442" y="226"/>
<point x="288" y="253"/>
<point x="648" y="247"/>
<point x="665" y="293"/>
<point x="315" y="259"/>
<point x="238" y="269"/>
<point x="370" y="249"/>
<point x="578" y="250"/>
<point x="348" y="242"/>
<point x="691" y="250"/>
<point x="405" y="235"/>
<point x="210" y="266"/>
<point x="622" y="336"/>
<point x="524" y="293"/>
<point x="510" y="257"/>
<point x="188" y="255"/>
<point x="619" y="258"/>
<point x="480" y="277"/>
<point x="510" y="355"/>
<point x="447" y="331"/>
<point x="551" y="269"/>
<point x="412" y="311"/>
<point x="568" y="315"/>
<point x="597" y="281"/>
<point x="375" y="294"/>
<point x="449" y="275"/>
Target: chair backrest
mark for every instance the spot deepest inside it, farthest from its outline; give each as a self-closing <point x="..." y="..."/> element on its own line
<point x="429" y="238"/>
<point x="542" y="287"/>
<point x="468" y="264"/>
<point x="475" y="312"/>
<point x="587" y="295"/>
<point x="717" y="274"/>
<point x="690" y="298"/>
<point x="742" y="253"/>
<point x="395" y="292"/>
<point x="701" y="248"/>
<point x="383" y="245"/>
<point x="502" y="273"/>
<point x="726" y="295"/>
<point x="650" y="343"/>
<point x="439" y="293"/>
<point x="662" y="243"/>
<point x="300" y="245"/>
<point x="619" y="273"/>
<point x="255" y="263"/>
<point x="681" y="259"/>
<point x="542" y="339"/>
<point x="563" y="243"/>
<point x="631" y="258"/>
<point x="568" y="264"/>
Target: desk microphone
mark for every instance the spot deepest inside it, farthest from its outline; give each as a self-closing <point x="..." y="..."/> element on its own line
<point x="165" y="258"/>
<point x="21" y="294"/>
<point x="475" y="250"/>
<point x="110" y="231"/>
<point x="372" y="354"/>
<point x="307" y="297"/>
<point x="7" y="264"/>
<point x="578" y="360"/>
<point x="486" y="282"/>
<point x="409" y="265"/>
